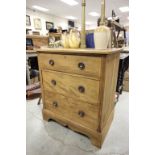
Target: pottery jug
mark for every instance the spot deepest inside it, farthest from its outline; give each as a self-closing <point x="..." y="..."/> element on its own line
<point x="102" y="37"/>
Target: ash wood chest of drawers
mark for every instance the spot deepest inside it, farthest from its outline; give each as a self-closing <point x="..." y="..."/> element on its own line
<point x="78" y="89"/>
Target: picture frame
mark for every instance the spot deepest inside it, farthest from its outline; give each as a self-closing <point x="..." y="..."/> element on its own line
<point x="28" y="21"/>
<point x="37" y="23"/>
<point x="49" y="25"/>
<point x="71" y="23"/>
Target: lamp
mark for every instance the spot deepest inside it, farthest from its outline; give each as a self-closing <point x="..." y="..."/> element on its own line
<point x="83" y="31"/>
<point x="102" y="22"/>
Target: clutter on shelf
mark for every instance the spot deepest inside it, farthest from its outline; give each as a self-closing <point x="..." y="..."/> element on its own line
<point x="71" y="40"/>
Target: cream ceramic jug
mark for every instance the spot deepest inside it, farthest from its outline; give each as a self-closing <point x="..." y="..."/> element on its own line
<point x="102" y="37"/>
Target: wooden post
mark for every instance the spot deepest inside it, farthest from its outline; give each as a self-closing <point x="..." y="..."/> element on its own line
<point x="83" y="32"/>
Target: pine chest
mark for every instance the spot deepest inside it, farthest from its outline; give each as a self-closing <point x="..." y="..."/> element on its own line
<point x="78" y="89"/>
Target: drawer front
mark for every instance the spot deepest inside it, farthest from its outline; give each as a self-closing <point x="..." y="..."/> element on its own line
<point x="79" y="112"/>
<point x="76" y="87"/>
<point x="84" y="65"/>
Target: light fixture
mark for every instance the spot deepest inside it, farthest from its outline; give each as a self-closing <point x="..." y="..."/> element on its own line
<point x="94" y="14"/>
<point x="40" y="8"/>
<point x="70" y="2"/>
<point x="124" y="9"/>
<point x="71" y="17"/>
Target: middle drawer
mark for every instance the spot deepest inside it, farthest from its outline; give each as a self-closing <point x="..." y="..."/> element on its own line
<point x="76" y="87"/>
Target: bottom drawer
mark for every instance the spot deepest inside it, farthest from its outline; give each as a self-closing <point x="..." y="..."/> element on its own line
<point x="80" y="112"/>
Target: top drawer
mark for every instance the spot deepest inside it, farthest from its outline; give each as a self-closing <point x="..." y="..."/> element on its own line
<point x="84" y="65"/>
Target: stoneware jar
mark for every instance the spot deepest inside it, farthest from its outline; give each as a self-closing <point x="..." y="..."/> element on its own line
<point x="102" y="37"/>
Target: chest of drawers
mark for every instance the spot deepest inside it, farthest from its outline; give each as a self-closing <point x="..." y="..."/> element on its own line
<point x="78" y="89"/>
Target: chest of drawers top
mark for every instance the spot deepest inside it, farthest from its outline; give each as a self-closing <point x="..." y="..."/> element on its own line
<point x="87" y="51"/>
<point x="77" y="61"/>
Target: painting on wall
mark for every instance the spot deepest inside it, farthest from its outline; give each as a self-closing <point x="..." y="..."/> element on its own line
<point x="28" y="22"/>
<point x="37" y="23"/>
<point x="49" y="25"/>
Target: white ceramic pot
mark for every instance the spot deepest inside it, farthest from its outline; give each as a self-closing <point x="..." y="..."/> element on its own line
<point x="101" y="39"/>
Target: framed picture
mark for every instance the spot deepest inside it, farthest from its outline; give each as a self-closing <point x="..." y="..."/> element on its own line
<point x="71" y="23"/>
<point x="37" y="23"/>
<point x="49" y="25"/>
<point x="28" y="22"/>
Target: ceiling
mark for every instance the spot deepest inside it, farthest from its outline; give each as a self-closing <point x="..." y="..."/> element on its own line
<point x="58" y="8"/>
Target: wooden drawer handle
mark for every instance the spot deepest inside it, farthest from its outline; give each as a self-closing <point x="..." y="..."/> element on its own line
<point x="53" y="82"/>
<point x="81" y="113"/>
<point x="51" y="62"/>
<point x="55" y="104"/>
<point x="81" y="89"/>
<point x="81" y="65"/>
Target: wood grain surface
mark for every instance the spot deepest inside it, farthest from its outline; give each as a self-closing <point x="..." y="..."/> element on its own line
<point x="82" y="100"/>
<point x="89" y="51"/>
<point x="70" y="63"/>
<point x="38" y="40"/>
<point x="68" y="85"/>
<point x="109" y="87"/>
<point x="70" y="109"/>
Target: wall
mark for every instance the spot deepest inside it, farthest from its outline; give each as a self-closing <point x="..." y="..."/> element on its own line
<point x="58" y="21"/>
<point x="91" y="27"/>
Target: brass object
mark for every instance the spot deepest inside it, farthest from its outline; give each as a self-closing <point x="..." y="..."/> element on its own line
<point x="102" y="22"/>
<point x="83" y="31"/>
<point x="74" y="39"/>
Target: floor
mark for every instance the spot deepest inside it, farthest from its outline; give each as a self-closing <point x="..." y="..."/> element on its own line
<point x="50" y="138"/>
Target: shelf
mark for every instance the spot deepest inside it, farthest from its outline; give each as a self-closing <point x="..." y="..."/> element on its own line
<point x="36" y="36"/>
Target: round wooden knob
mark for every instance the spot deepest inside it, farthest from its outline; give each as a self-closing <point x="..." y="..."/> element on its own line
<point x="81" y="65"/>
<point x="81" y="113"/>
<point x="53" y="82"/>
<point x="81" y="89"/>
<point x="51" y="62"/>
<point x="55" y="104"/>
